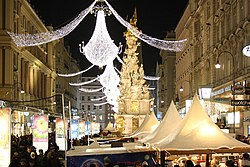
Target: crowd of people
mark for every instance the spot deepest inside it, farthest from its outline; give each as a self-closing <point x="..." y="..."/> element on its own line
<point x="24" y="154"/>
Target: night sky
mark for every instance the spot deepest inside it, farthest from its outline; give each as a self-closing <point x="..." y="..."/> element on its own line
<point x="155" y="18"/>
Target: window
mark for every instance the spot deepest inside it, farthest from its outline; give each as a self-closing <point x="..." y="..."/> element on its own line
<point x="83" y="97"/>
<point x="88" y="107"/>
<point x="83" y="108"/>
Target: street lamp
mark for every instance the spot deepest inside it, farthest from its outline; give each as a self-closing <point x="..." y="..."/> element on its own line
<point x="182" y="89"/>
<point x="218" y="65"/>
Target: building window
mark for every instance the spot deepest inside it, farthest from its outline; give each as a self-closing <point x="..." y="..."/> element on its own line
<point x="88" y="107"/>
<point x="83" y="97"/>
<point x="100" y="107"/>
<point x="88" y="98"/>
<point x="83" y="108"/>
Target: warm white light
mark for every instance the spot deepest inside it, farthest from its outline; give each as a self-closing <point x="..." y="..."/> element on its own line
<point x="100" y="50"/>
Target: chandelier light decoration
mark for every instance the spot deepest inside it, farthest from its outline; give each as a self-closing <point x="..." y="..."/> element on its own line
<point x="109" y="78"/>
<point x="100" y="50"/>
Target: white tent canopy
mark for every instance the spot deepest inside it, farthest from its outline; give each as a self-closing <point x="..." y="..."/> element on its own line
<point x="110" y="128"/>
<point x="169" y="122"/>
<point x="149" y="124"/>
<point x="197" y="132"/>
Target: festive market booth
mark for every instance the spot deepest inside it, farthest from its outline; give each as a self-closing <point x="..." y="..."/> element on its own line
<point x="171" y="119"/>
<point x="197" y="134"/>
<point x="149" y="125"/>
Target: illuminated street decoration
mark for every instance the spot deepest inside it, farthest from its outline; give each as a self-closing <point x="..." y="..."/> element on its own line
<point x="100" y="50"/>
<point x="90" y="90"/>
<point x="23" y="40"/>
<point x="160" y="44"/>
<point x="109" y="78"/>
<point x="75" y="74"/>
<point x="84" y="83"/>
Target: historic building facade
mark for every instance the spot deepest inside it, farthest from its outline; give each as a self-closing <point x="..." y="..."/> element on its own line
<point x="66" y="64"/>
<point x="92" y="104"/>
<point x="28" y="74"/>
<point x="216" y="31"/>
<point x="166" y="72"/>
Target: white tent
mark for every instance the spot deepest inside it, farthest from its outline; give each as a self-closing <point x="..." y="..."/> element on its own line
<point x="149" y="124"/>
<point x="110" y="128"/>
<point x="170" y="121"/>
<point x="197" y="132"/>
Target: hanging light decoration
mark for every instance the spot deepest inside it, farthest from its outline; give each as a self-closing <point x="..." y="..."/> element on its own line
<point x="100" y="50"/>
<point x="160" y="44"/>
<point x="109" y="78"/>
<point x="23" y="40"/>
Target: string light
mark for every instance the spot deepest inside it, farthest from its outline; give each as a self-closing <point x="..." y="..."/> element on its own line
<point x="160" y="44"/>
<point x="23" y="40"/>
<point x="84" y="83"/>
<point x="98" y="99"/>
<point x="90" y="90"/>
<point x="151" y="78"/>
<point x="45" y="37"/>
<point x="100" y="104"/>
<point x="75" y="74"/>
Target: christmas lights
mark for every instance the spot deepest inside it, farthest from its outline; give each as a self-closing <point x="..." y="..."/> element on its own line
<point x="151" y="78"/>
<point x="90" y="90"/>
<point x="109" y="78"/>
<point x="98" y="99"/>
<point x="84" y="83"/>
<point x="160" y="44"/>
<point x="100" y="104"/>
<point x="23" y="40"/>
<point x="75" y="74"/>
<point x="100" y="50"/>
